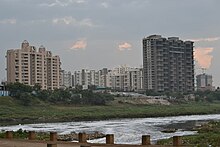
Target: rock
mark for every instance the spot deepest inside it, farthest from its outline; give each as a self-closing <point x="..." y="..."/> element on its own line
<point x="74" y="136"/>
<point x="169" y="130"/>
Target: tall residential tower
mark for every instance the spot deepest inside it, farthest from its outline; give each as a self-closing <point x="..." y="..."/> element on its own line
<point x="168" y="64"/>
<point x="30" y="67"/>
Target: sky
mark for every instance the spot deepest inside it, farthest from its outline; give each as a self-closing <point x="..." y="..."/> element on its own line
<point x="94" y="34"/>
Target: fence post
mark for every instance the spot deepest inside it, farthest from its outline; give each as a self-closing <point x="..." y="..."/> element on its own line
<point x="177" y="140"/>
<point x="110" y="139"/>
<point x="53" y="136"/>
<point x="51" y="145"/>
<point x="82" y="137"/>
<point x="31" y="135"/>
<point x="146" y="140"/>
<point x="9" y="134"/>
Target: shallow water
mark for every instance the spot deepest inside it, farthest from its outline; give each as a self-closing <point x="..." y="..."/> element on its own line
<point x="125" y="130"/>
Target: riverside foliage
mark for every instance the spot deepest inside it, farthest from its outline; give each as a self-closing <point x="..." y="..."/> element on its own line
<point x="28" y="95"/>
<point x="208" y="135"/>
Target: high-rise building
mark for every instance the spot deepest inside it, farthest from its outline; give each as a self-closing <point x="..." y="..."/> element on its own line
<point x="30" y="67"/>
<point x="204" y="82"/>
<point x="122" y="78"/>
<point x="86" y="78"/>
<point x="66" y="77"/>
<point x="127" y="79"/>
<point x="168" y="64"/>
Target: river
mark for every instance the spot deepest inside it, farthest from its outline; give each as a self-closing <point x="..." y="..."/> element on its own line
<point x="125" y="130"/>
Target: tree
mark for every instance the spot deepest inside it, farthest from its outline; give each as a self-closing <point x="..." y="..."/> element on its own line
<point x="17" y="88"/>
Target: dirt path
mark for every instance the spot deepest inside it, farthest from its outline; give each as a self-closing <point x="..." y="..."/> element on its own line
<point x="25" y="143"/>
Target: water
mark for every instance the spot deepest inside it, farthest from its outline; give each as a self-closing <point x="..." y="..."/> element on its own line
<point x="125" y="130"/>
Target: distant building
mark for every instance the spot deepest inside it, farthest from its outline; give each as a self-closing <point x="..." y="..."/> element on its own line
<point x="66" y="77"/>
<point x="204" y="82"/>
<point x="3" y="90"/>
<point x="30" y="67"/>
<point x="77" y="78"/>
<point x="122" y="78"/>
<point x="86" y="78"/>
<point x="168" y="64"/>
<point x="104" y="78"/>
<point x="127" y="79"/>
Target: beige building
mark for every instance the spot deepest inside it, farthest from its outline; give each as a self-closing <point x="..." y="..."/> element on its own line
<point x="29" y="66"/>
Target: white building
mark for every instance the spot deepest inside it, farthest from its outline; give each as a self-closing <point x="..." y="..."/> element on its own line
<point x="204" y="82"/>
<point x="127" y="79"/>
<point x="86" y="78"/>
<point x="66" y="79"/>
<point x="77" y="78"/>
<point x="122" y="78"/>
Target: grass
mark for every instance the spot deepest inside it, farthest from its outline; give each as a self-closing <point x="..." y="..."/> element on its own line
<point x="11" y="111"/>
<point x="23" y="134"/>
<point x="208" y="134"/>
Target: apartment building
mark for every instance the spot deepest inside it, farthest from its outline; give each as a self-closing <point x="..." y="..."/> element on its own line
<point x="30" y="66"/>
<point x="204" y="82"/>
<point x="86" y="78"/>
<point x="125" y="78"/>
<point x="122" y="78"/>
<point x="77" y="78"/>
<point x="168" y="64"/>
<point x="104" y="78"/>
<point x="66" y="77"/>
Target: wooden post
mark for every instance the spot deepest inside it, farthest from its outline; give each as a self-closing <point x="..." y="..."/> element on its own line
<point x="31" y="135"/>
<point x="146" y="140"/>
<point x="82" y="137"/>
<point x="177" y="141"/>
<point x="51" y="145"/>
<point x="9" y="134"/>
<point x="110" y="139"/>
<point x="53" y="136"/>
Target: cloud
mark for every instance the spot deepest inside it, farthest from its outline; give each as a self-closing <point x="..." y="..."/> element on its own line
<point x="80" y="1"/>
<point x="80" y="44"/>
<point x="38" y="21"/>
<point x="104" y="4"/>
<point x="8" y="21"/>
<point x="63" y="3"/>
<point x="69" y="20"/>
<point x="205" y="39"/>
<point x="124" y="46"/>
<point x="203" y="57"/>
<point x="56" y="3"/>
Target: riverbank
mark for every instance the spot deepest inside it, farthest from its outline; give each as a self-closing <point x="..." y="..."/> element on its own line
<point x="208" y="135"/>
<point x="12" y="112"/>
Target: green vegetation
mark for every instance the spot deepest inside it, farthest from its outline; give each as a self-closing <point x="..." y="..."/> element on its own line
<point x="23" y="134"/>
<point x="31" y="105"/>
<point x="208" y="134"/>
<point x="28" y="95"/>
<point x="12" y="111"/>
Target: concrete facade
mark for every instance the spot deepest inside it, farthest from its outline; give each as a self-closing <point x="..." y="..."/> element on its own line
<point x="127" y="79"/>
<point x="30" y="67"/>
<point x="122" y="78"/>
<point x="168" y="64"/>
<point x="66" y="77"/>
<point x="204" y="82"/>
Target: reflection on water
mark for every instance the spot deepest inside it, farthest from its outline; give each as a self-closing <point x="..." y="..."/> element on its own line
<point x="125" y="130"/>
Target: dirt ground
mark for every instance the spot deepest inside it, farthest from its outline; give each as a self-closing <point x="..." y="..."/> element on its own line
<point x="139" y="100"/>
<point x="30" y="143"/>
<point x="25" y="143"/>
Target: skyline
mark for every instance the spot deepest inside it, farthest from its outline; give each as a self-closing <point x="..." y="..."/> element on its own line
<point x="109" y="33"/>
